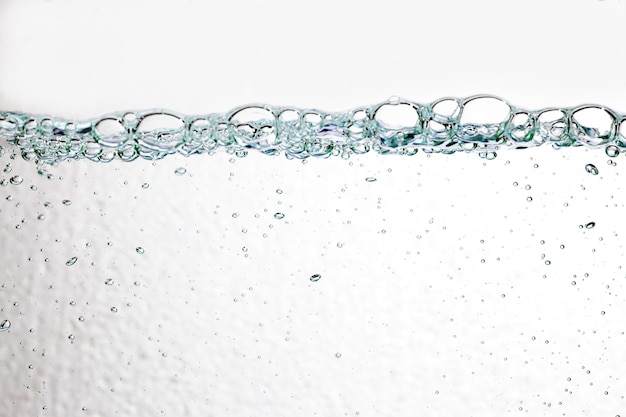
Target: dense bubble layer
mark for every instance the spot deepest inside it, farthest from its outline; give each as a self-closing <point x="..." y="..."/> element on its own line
<point x="479" y="123"/>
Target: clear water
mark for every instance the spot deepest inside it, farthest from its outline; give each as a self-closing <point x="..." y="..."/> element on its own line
<point x="380" y="284"/>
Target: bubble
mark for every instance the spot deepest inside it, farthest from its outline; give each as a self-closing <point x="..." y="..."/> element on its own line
<point x="315" y="277"/>
<point x="337" y="355"/>
<point x="370" y="179"/>
<point x="592" y="169"/>
<point x="16" y="180"/>
<point x="109" y="281"/>
<point x="279" y="216"/>
<point x="66" y="202"/>
<point x="73" y="303"/>
<point x="612" y="151"/>
<point x="139" y="250"/>
<point x="114" y="309"/>
<point x="590" y="225"/>
<point x="145" y="185"/>
<point x="279" y="191"/>
<point x="5" y="325"/>
<point x="180" y="171"/>
<point x="71" y="261"/>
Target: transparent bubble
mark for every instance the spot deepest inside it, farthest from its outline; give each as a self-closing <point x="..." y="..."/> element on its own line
<point x="590" y="225"/>
<point x="180" y="171"/>
<point x="279" y="216"/>
<point x="71" y="261"/>
<point x="315" y="277"/>
<point x="66" y="202"/>
<point x="139" y="250"/>
<point x="109" y="281"/>
<point x="16" y="180"/>
<point x="592" y="169"/>
<point x="5" y="325"/>
<point x="337" y="355"/>
<point x="612" y="151"/>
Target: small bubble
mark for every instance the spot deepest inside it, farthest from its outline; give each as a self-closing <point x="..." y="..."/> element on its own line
<point x="235" y="215"/>
<point x="71" y="337"/>
<point x="529" y="199"/>
<point x="515" y="184"/>
<point x="590" y="168"/>
<point x="337" y="355"/>
<point x="370" y="179"/>
<point x="41" y="217"/>
<point x="590" y="225"/>
<point x="603" y="313"/>
<point x="562" y="246"/>
<point x="145" y="185"/>
<point x="279" y="216"/>
<point x="114" y="309"/>
<point x="5" y="325"/>
<point x="527" y="187"/>
<point x="180" y="171"/>
<point x="66" y="202"/>
<point x="315" y="277"/>
<point x="81" y="318"/>
<point x="612" y="151"/>
<point x="16" y="180"/>
<point x="73" y="303"/>
<point x="71" y="261"/>
<point x="279" y="191"/>
<point x="109" y="281"/>
<point x="548" y="263"/>
<point x="139" y="250"/>
<point x="244" y="249"/>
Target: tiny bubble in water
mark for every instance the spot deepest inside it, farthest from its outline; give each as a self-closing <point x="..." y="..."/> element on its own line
<point x="16" y="180"/>
<point x="114" y="309"/>
<point x="590" y="225"/>
<point x="71" y="261"/>
<point x="139" y="250"/>
<point x="109" y="281"/>
<point x="5" y="325"/>
<point x="67" y="202"/>
<point x="180" y="171"/>
<point x="145" y="185"/>
<point x="337" y="355"/>
<point x="370" y="179"/>
<point x="315" y="277"/>
<point x="590" y="168"/>
<point x="279" y="216"/>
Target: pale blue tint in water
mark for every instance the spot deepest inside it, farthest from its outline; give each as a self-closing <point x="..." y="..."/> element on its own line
<point x="452" y="285"/>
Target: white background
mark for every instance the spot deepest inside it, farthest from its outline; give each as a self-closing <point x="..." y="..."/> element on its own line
<point x="419" y="319"/>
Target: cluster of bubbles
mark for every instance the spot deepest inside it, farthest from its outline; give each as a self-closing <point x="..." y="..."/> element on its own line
<point x="482" y="124"/>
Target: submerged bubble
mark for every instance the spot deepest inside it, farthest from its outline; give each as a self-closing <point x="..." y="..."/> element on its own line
<point x="180" y="171"/>
<point x="315" y="277"/>
<point x="279" y="216"/>
<point x="109" y="281"/>
<point x="16" y="180"/>
<point x="592" y="169"/>
<point x="71" y="261"/>
<point x="370" y="179"/>
<point x="5" y="325"/>
<point x="139" y="250"/>
<point x="67" y="202"/>
<point x="590" y="225"/>
<point x="612" y="151"/>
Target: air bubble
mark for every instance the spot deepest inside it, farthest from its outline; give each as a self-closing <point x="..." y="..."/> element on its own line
<point x="16" y="180"/>
<point x="5" y="325"/>
<point x="139" y="250"/>
<point x="180" y="171"/>
<point x="370" y="179"/>
<point x="71" y="261"/>
<point x="279" y="216"/>
<point x="612" y="151"/>
<point x="592" y="169"/>
<point x="66" y="202"/>
<point x="109" y="281"/>
<point x="590" y="225"/>
<point x="315" y="277"/>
